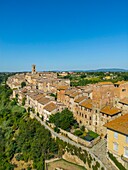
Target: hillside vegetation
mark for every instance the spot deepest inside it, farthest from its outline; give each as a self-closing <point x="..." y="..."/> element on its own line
<point x="19" y="134"/>
<point x="84" y="78"/>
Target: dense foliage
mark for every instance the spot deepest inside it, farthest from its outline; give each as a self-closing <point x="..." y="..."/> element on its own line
<point x="35" y="143"/>
<point x="78" y="133"/>
<point x="63" y="119"/>
<point x="84" y="78"/>
<point x="23" y="84"/>
<point x="118" y="164"/>
<point x="4" y="77"/>
<point x="26" y="138"/>
<point x="20" y="134"/>
<point x="83" y="82"/>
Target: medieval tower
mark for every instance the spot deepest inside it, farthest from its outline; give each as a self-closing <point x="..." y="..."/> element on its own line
<point x="33" y="69"/>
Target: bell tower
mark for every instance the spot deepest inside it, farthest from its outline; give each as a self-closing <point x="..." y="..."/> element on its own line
<point x="33" y="69"/>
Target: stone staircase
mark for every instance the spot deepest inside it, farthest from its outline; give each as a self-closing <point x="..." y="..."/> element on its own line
<point x="99" y="150"/>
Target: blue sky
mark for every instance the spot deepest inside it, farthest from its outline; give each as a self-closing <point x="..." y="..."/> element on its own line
<point x="63" y="34"/>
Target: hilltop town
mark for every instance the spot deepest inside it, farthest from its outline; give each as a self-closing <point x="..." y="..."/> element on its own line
<point x="101" y="107"/>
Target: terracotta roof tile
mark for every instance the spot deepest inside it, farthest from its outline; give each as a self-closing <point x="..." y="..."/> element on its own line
<point x="44" y="100"/>
<point x="37" y="97"/>
<point x="62" y="87"/>
<point x="50" y="107"/>
<point x="32" y="94"/>
<point x="120" y="82"/>
<point x="120" y="124"/>
<point x="87" y="104"/>
<point x="124" y="101"/>
<point x="74" y="94"/>
<point x="110" y="110"/>
<point x="80" y="99"/>
<point x="24" y="90"/>
<point x="69" y="91"/>
<point x="105" y="83"/>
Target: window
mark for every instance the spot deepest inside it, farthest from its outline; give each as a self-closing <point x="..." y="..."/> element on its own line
<point x="115" y="147"/>
<point x="126" y="152"/>
<point x="126" y="139"/>
<point x="115" y="135"/>
<point x="108" y="94"/>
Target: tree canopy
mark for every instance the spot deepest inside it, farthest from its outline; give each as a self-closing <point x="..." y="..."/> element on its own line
<point x="23" y="84"/>
<point x="63" y="119"/>
<point x="20" y="134"/>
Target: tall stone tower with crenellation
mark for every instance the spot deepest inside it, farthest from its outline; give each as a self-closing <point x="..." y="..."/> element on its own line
<point x="33" y="69"/>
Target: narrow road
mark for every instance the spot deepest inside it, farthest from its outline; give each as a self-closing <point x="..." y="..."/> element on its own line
<point x="65" y="139"/>
<point x="98" y="151"/>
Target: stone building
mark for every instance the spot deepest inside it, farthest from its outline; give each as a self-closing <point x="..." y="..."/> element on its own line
<point x="117" y="139"/>
<point x="92" y="105"/>
<point x="33" y="69"/>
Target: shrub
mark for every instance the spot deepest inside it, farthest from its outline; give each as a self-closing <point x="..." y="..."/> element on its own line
<point x="78" y="133"/>
<point x="76" y="125"/>
<point x="19" y="157"/>
<point x="23" y="101"/>
<point x="23" y="84"/>
<point x="29" y="168"/>
<point x="89" y="162"/>
<point x="56" y="129"/>
<point x="118" y="164"/>
<point x="29" y="109"/>
<point x="82" y="128"/>
<point x="93" y="134"/>
<point x="33" y="110"/>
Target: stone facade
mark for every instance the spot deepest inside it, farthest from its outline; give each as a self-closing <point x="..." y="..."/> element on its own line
<point x="117" y="139"/>
<point x="95" y="105"/>
<point x="92" y="105"/>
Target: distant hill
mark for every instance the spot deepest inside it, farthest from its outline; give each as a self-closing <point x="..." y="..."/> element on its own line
<point x="111" y="70"/>
<point x="97" y="70"/>
<point x="102" y="70"/>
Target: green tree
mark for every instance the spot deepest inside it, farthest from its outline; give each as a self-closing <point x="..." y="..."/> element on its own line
<point x="63" y="120"/>
<point x="23" y="101"/>
<point x="23" y="84"/>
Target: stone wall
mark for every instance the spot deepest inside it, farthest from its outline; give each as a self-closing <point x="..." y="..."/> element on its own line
<point x="75" y="159"/>
<point x="79" y="140"/>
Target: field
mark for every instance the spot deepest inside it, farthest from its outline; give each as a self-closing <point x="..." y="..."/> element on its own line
<point x="64" y="165"/>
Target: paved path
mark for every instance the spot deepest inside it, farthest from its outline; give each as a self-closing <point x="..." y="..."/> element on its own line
<point x="98" y="151"/>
